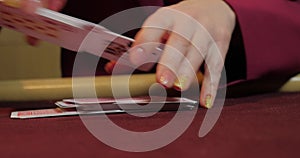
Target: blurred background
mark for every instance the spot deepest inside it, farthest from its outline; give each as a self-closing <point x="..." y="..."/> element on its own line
<point x="18" y="60"/>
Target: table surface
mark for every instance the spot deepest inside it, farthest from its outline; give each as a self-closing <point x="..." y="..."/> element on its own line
<point x="266" y="125"/>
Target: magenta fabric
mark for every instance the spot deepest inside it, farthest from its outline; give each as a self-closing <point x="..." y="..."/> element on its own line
<point x="271" y="34"/>
<point x="258" y="126"/>
<point x="151" y="3"/>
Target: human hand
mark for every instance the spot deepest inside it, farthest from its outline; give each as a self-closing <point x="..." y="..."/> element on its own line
<point x="200" y="30"/>
<point x="30" y="6"/>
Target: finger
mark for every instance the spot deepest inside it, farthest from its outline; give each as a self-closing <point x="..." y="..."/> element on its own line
<point x="56" y="5"/>
<point x="146" y="41"/>
<point x="109" y="67"/>
<point x="213" y="70"/>
<point x="201" y="41"/>
<point x="176" y="47"/>
<point x="114" y="67"/>
<point x="188" y="69"/>
<point x="32" y="40"/>
<point x="173" y="54"/>
<point x="193" y="58"/>
<point x="153" y="31"/>
<point x="30" y="6"/>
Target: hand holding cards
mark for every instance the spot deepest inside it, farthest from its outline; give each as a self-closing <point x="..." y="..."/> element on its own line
<point x="70" y="33"/>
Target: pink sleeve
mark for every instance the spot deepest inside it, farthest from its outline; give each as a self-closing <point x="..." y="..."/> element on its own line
<point x="271" y="35"/>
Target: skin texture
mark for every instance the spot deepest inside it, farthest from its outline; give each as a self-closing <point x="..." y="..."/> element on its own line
<point x="193" y="31"/>
<point x="188" y="44"/>
<point x="30" y="6"/>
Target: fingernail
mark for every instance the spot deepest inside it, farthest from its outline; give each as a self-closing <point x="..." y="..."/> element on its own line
<point x="165" y="79"/>
<point x="139" y="50"/>
<point x="137" y="56"/>
<point x="208" y="101"/>
<point x="180" y="82"/>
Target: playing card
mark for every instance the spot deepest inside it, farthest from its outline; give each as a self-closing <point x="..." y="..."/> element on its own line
<point x="141" y="104"/>
<point x="55" y="113"/>
<point x="72" y="33"/>
<point x="136" y="100"/>
<point x="88" y="106"/>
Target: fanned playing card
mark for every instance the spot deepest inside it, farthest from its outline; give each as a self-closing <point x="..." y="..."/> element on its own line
<point x="72" y="33"/>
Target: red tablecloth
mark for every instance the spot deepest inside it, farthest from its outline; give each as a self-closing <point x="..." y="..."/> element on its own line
<point x="257" y="126"/>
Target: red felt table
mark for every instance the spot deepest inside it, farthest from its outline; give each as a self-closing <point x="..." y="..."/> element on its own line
<point x="266" y="125"/>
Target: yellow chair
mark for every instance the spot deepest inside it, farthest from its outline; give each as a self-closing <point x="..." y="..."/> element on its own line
<point x="18" y="60"/>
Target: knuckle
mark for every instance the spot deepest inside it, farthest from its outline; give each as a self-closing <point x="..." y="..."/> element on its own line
<point x="179" y="41"/>
<point x="155" y="20"/>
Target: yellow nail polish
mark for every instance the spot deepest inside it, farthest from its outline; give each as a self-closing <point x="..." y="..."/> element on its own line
<point x="208" y="101"/>
<point x="12" y="3"/>
<point x="180" y="82"/>
<point x="163" y="80"/>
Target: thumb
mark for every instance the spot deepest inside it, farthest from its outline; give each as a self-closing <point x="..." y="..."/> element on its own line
<point x="56" y="5"/>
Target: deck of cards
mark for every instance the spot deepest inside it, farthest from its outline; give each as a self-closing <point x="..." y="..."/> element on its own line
<point x="90" y="106"/>
<point x="72" y="33"/>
